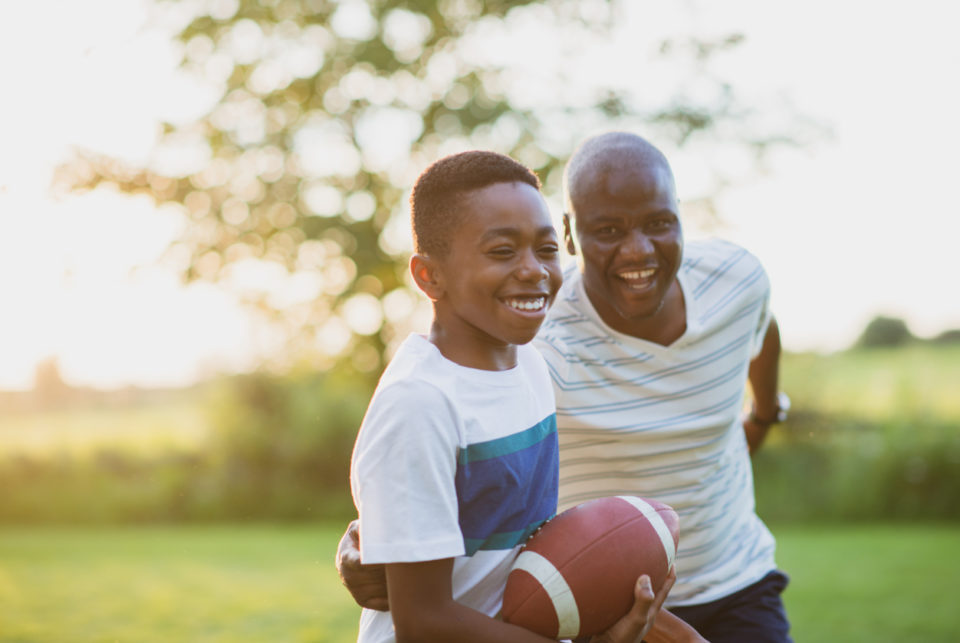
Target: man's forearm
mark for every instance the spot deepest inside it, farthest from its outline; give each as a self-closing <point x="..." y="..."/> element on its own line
<point x="764" y="378"/>
<point x="672" y="629"/>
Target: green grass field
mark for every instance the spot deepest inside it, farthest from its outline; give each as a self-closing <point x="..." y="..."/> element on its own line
<point x="850" y="584"/>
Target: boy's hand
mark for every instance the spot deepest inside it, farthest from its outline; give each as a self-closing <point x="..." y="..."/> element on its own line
<point x="638" y="621"/>
<point x="366" y="583"/>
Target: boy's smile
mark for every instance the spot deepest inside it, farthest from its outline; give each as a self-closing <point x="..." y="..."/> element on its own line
<point x="499" y="277"/>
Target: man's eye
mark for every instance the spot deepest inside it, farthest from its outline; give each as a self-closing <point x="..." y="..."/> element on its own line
<point x="501" y="252"/>
<point x="660" y="225"/>
<point x="549" y="249"/>
<point x="607" y="230"/>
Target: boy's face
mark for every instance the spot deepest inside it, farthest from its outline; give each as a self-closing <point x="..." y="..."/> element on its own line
<point x="502" y="270"/>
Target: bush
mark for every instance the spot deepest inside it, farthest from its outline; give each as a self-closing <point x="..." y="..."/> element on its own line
<point x="279" y="449"/>
<point x="874" y="435"/>
<point x="844" y="469"/>
<point x="951" y="336"/>
<point x="283" y="444"/>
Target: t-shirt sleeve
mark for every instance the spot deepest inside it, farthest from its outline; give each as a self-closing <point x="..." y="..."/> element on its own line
<point x="403" y="477"/>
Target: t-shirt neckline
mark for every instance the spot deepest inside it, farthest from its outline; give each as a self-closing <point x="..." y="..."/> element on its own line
<point x="509" y="377"/>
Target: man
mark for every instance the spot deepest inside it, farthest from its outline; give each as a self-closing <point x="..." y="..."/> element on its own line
<point x="650" y="346"/>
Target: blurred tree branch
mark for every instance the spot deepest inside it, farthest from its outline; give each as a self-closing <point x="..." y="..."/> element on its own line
<point x="328" y="110"/>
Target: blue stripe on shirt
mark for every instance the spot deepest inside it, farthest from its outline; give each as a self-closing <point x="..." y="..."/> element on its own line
<point x="507" y="487"/>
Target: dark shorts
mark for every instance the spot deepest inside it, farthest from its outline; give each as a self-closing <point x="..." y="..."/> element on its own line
<point x="755" y="614"/>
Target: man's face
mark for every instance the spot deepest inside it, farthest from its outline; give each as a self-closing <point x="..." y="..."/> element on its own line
<point x="630" y="240"/>
<point x="503" y="268"/>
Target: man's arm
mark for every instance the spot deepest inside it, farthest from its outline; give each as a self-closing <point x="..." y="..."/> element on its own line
<point x="764" y="377"/>
<point x="366" y="583"/>
<point x="672" y="629"/>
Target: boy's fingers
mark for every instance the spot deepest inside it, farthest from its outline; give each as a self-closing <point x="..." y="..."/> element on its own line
<point x="662" y="594"/>
<point x="644" y="590"/>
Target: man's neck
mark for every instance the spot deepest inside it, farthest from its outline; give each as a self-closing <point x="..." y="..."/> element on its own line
<point x="663" y="327"/>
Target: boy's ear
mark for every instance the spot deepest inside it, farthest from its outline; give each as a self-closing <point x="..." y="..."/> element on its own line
<point x="426" y="273"/>
<point x="568" y="234"/>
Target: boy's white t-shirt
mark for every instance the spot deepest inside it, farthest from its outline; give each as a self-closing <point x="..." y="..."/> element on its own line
<point x="454" y="462"/>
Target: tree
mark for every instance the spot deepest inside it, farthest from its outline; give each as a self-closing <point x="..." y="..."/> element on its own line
<point x="884" y="332"/>
<point x="48" y="385"/>
<point x="327" y="111"/>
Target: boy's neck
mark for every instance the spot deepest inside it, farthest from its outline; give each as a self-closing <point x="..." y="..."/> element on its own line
<point x="473" y="351"/>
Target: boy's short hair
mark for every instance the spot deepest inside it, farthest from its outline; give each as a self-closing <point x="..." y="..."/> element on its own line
<point x="436" y="200"/>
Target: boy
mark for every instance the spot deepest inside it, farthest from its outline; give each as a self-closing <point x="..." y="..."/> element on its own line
<point x="455" y="464"/>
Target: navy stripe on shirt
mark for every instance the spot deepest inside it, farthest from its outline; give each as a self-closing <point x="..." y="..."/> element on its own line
<point x="507" y="487"/>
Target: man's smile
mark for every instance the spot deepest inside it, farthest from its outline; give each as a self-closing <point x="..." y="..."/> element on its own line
<point x="638" y="279"/>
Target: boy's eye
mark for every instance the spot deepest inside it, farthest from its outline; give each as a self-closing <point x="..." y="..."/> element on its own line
<point x="501" y="252"/>
<point x="549" y="249"/>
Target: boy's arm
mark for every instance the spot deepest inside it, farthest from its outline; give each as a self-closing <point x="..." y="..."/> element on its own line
<point x="423" y="609"/>
<point x="368" y="586"/>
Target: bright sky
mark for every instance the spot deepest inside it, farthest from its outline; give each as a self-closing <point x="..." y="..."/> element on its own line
<point x="862" y="223"/>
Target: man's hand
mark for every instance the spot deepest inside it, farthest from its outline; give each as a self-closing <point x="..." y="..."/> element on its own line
<point x="366" y="583"/>
<point x="638" y="621"/>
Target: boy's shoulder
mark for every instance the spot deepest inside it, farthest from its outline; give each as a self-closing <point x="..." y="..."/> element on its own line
<point x="416" y="369"/>
<point x="419" y="366"/>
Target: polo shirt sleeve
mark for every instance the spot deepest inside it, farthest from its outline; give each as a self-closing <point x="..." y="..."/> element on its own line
<point x="403" y="476"/>
<point x="763" y="320"/>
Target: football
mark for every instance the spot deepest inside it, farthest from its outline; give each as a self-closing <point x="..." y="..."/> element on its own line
<point x="575" y="576"/>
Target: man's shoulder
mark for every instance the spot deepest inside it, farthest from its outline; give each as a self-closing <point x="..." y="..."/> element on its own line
<point x="711" y="252"/>
<point x="708" y="260"/>
<point x="723" y="281"/>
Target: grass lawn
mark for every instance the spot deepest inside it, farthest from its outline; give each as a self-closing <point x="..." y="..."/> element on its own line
<point x="868" y="583"/>
<point x="276" y="584"/>
<point x="230" y="584"/>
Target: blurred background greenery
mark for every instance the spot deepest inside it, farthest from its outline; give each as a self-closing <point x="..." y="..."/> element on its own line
<point x="874" y="434"/>
<point x="210" y="511"/>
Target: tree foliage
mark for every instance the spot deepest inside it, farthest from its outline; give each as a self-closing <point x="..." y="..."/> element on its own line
<point x="328" y="109"/>
<point x="885" y="332"/>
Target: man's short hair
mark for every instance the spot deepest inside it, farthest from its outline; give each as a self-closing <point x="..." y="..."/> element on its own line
<point x="599" y="154"/>
<point x="436" y="203"/>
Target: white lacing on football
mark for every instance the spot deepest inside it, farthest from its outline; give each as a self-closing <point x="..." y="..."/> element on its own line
<point x="552" y="581"/>
<point x="654" y="518"/>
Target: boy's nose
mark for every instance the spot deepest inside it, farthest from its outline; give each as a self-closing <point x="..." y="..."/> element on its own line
<point x="531" y="268"/>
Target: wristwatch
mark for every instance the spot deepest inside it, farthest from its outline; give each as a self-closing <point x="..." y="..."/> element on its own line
<point x="783" y="406"/>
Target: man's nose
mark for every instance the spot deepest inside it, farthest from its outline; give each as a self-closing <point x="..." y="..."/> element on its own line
<point x="637" y="244"/>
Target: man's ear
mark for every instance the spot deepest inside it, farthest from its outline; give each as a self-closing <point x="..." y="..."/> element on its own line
<point x="427" y="275"/>
<point x="568" y="234"/>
